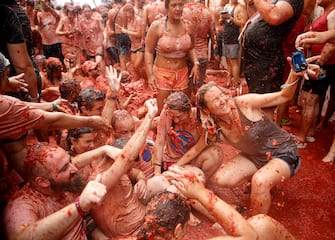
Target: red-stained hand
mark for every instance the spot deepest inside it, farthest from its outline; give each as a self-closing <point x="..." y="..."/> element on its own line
<point x="92" y="194"/>
<point x="140" y="189"/>
<point x="186" y="180"/>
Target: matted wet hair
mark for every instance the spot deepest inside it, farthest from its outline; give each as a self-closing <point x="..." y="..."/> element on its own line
<point x="75" y="133"/>
<point x="179" y="101"/>
<point x="164" y="212"/>
<point x="88" y="96"/>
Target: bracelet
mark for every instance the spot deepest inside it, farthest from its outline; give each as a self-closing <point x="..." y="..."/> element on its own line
<point x="113" y="97"/>
<point x="287" y="85"/>
<point x="79" y="209"/>
<point x="158" y="164"/>
<point x="196" y="63"/>
<point x="54" y="107"/>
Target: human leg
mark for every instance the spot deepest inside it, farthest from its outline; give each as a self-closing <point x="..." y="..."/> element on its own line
<point x="309" y="102"/>
<point x="209" y="160"/>
<point x="268" y="228"/>
<point x="331" y="153"/>
<point x="161" y="97"/>
<point x="263" y="180"/>
<point x="226" y="175"/>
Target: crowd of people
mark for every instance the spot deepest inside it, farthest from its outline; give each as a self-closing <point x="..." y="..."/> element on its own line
<point x="76" y="163"/>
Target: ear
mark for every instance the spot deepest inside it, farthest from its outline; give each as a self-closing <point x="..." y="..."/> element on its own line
<point x="42" y="182"/>
<point x="179" y="231"/>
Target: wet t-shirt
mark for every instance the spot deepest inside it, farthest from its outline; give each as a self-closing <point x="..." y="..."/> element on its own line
<point x="264" y="60"/>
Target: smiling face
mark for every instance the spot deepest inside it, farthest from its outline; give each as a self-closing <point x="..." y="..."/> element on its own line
<point x="217" y="101"/>
<point x="84" y="143"/>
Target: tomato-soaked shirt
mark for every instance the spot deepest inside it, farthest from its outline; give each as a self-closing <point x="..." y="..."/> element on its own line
<point x="17" y="118"/>
<point x="27" y="206"/>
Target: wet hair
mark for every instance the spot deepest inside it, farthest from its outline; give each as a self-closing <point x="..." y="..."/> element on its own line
<point x="120" y="143"/>
<point x="200" y="96"/>
<point x="88" y="96"/>
<point x="53" y="65"/>
<point x="179" y="101"/>
<point x="164" y="212"/>
<point x="68" y="86"/>
<point x="120" y="115"/>
<point x="75" y="133"/>
<point x="35" y="162"/>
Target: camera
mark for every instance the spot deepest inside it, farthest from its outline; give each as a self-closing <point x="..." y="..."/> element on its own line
<point x="299" y="62"/>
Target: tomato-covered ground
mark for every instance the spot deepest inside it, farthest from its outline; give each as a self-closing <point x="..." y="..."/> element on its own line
<point x="304" y="204"/>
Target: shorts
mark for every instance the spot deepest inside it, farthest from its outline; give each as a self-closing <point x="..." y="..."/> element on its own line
<point x="54" y="50"/>
<point x="320" y="87"/>
<point x="123" y="43"/>
<point x="202" y="68"/>
<point x="141" y="49"/>
<point x="231" y="50"/>
<point x="113" y="53"/>
<point x="171" y="79"/>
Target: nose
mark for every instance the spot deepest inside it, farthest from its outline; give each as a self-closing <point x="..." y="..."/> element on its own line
<point x="73" y="168"/>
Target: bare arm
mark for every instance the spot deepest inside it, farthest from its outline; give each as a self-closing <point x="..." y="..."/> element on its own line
<point x="255" y="100"/>
<point x="150" y="44"/>
<point x="85" y="158"/>
<point x="307" y="38"/>
<point x="193" y="152"/>
<point x="274" y="14"/>
<point x="189" y="185"/>
<point x="131" y="150"/>
<point x="22" y="63"/>
<point x="25" y="224"/>
<point x="160" y="141"/>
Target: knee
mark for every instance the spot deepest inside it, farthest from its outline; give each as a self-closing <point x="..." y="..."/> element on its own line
<point x="259" y="183"/>
<point x="222" y="179"/>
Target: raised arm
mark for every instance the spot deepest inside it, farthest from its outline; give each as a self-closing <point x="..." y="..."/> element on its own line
<point x="232" y="222"/>
<point x="124" y="160"/>
<point x="23" y="224"/>
<point x="287" y="90"/>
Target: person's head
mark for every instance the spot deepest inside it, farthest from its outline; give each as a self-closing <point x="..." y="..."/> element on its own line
<point x="90" y="68"/>
<point x="86" y="11"/>
<point x="54" y="69"/>
<point x="166" y="217"/>
<point x="40" y="60"/>
<point x="123" y="124"/>
<point x="174" y="8"/>
<point x="4" y="72"/>
<point x="69" y="89"/>
<point x="49" y="169"/>
<point x="214" y="99"/>
<point x="91" y="102"/>
<point x="179" y="107"/>
<point x="80" y="140"/>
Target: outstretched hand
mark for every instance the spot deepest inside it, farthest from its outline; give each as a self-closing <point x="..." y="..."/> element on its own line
<point x="312" y="71"/>
<point x="307" y="38"/>
<point x="113" y="79"/>
<point x="17" y="83"/>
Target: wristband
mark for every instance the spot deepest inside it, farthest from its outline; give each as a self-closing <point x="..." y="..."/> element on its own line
<point x="197" y="63"/>
<point x="79" y="209"/>
<point x="54" y="107"/>
<point x="113" y="97"/>
<point x="158" y="164"/>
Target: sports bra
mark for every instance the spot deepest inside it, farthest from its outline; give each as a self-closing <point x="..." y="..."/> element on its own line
<point x="173" y="47"/>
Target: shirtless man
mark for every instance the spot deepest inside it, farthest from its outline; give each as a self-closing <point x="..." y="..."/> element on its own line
<point x="47" y="20"/>
<point x="152" y="12"/>
<point x="203" y="26"/>
<point x="68" y="28"/>
<point x="45" y="208"/>
<point x="122" y="211"/>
